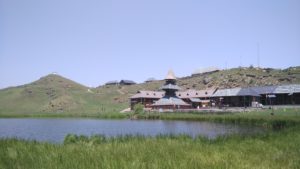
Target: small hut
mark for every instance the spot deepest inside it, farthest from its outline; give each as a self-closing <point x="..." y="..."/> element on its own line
<point x="127" y="82"/>
<point x="113" y="82"/>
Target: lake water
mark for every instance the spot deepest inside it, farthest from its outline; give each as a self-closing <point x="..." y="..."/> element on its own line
<point x="54" y="130"/>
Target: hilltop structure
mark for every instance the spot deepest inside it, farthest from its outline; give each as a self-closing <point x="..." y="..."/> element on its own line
<point x="127" y="82"/>
<point x="205" y="71"/>
<point x="150" y="80"/>
<point x="122" y="82"/>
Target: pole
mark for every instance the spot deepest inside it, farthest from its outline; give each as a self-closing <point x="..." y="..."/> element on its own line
<point x="258" y="55"/>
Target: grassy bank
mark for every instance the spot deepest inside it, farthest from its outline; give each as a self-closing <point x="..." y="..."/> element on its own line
<point x="268" y="118"/>
<point x="67" y="115"/>
<point x="278" y="118"/>
<point x="269" y="150"/>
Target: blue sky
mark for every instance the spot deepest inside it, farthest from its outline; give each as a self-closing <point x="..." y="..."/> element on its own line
<point x="94" y="41"/>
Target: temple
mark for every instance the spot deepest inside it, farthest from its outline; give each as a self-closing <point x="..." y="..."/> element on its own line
<point x="170" y="100"/>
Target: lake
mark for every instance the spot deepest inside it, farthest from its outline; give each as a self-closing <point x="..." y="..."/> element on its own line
<point x="54" y="130"/>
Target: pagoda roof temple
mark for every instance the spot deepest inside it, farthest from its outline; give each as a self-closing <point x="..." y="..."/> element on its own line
<point x="170" y="100"/>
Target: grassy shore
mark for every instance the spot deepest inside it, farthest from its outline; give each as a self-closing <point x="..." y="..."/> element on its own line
<point x="269" y="150"/>
<point x="280" y="149"/>
<point x="268" y="118"/>
<point x="278" y="118"/>
<point x="111" y="115"/>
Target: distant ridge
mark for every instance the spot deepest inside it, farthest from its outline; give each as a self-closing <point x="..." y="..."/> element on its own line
<point x="56" y="94"/>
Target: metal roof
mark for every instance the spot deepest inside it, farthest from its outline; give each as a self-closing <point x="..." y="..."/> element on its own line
<point x="170" y="101"/>
<point x="235" y="92"/>
<point x="148" y="94"/>
<point x="263" y="89"/>
<point x="180" y="94"/>
<point x="196" y="93"/>
<point x="259" y="90"/>
<point x="248" y="92"/>
<point x="227" y="92"/>
<point x="293" y="88"/>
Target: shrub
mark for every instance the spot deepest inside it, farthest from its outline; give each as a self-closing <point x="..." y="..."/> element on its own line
<point x="70" y="138"/>
<point x="138" y="108"/>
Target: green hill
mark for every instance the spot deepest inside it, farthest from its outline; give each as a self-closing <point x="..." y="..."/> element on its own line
<point x="54" y="94"/>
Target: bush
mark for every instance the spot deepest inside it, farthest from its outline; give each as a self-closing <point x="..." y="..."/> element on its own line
<point x="138" y="108"/>
<point x="70" y="138"/>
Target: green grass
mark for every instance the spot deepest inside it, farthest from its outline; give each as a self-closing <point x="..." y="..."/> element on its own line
<point x="68" y="115"/>
<point x="281" y="117"/>
<point x="279" y="149"/>
<point x="269" y="150"/>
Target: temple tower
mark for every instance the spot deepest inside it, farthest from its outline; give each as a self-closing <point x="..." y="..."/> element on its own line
<point x="170" y="100"/>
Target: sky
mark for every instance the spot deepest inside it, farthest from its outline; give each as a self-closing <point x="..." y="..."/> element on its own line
<point x="95" y="41"/>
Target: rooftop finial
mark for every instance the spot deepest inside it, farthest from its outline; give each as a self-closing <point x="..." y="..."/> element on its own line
<point x="170" y="75"/>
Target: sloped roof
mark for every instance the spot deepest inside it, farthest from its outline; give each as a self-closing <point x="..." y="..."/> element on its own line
<point x="179" y="94"/>
<point x="257" y="91"/>
<point x="166" y="101"/>
<point x="264" y="89"/>
<point x="279" y="89"/>
<point x="235" y="92"/>
<point x="195" y="93"/>
<point x="148" y="94"/>
<point x="248" y="92"/>
<point x="227" y="92"/>
<point x="293" y="88"/>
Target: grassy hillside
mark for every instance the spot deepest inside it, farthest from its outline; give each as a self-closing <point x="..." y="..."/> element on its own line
<point x="50" y="94"/>
<point x="57" y="95"/>
<point x="242" y="77"/>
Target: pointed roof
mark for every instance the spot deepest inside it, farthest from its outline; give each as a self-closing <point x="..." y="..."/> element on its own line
<point x="170" y="101"/>
<point x="170" y="75"/>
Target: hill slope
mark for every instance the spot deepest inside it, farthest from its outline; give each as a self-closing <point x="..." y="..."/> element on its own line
<point x="55" y="94"/>
<point x="49" y="93"/>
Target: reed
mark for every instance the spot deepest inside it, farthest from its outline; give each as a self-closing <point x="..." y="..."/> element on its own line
<point x="267" y="150"/>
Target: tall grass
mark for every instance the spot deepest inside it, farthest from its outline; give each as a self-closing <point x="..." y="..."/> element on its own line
<point x="269" y="150"/>
<point x="272" y="119"/>
<point x="110" y="115"/>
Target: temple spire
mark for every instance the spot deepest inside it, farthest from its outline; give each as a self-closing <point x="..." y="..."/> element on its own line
<point x="170" y="75"/>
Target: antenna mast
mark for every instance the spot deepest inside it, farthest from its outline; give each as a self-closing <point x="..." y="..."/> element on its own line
<point x="258" y="55"/>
